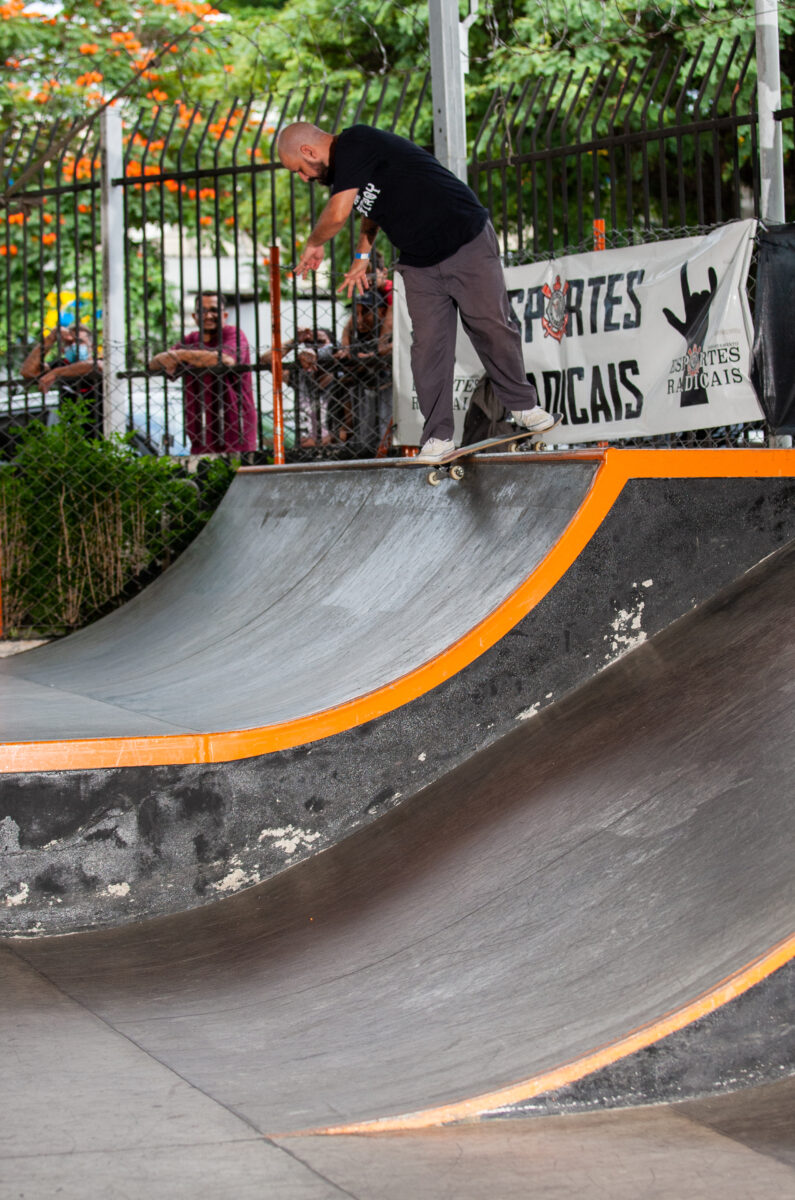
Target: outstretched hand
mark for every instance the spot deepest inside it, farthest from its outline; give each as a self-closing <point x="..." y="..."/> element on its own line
<point x="310" y="260"/>
<point x="355" y="280"/>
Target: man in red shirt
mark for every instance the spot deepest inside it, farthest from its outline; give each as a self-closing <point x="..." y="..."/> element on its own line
<point x="220" y="416"/>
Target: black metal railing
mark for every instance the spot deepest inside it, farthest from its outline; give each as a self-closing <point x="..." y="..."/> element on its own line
<point x="655" y="149"/>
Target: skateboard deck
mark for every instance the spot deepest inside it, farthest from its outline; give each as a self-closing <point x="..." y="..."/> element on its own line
<point x="520" y="439"/>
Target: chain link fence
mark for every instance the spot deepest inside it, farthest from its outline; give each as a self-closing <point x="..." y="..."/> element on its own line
<point x="114" y="453"/>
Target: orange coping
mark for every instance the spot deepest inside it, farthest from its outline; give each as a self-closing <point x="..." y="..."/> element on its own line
<point x="616" y="469"/>
<point x="471" y="1109"/>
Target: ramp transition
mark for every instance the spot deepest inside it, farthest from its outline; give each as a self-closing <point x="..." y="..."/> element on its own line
<point x="608" y="869"/>
<point x="335" y="641"/>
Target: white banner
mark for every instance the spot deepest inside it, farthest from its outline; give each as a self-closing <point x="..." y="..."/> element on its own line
<point x="649" y="339"/>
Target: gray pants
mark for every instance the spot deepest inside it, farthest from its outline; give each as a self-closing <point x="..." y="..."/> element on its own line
<point x="469" y="282"/>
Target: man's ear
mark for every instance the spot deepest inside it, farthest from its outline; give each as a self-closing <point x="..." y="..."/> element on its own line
<point x="308" y="151"/>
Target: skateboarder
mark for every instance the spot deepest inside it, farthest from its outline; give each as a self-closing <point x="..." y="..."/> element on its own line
<point x="449" y="261"/>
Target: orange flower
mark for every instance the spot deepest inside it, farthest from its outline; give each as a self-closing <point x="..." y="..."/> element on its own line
<point x="84" y="208"/>
<point x="49" y="238"/>
<point x="12" y="250"/>
<point x="88" y="48"/>
<point x="205" y="220"/>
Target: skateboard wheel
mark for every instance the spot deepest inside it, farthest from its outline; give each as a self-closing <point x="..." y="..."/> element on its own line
<point x="434" y="478"/>
<point x="457" y="472"/>
<point x="514" y="447"/>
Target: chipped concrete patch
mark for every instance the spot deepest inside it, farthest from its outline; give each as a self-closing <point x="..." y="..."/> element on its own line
<point x="19" y="898"/>
<point x="626" y="632"/>
<point x="236" y="880"/>
<point x="289" y="838"/>
<point x="527" y="713"/>
<point x="117" y="889"/>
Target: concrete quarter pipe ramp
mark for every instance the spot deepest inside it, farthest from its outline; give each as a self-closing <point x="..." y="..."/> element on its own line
<point x="606" y="873"/>
<point x="334" y="642"/>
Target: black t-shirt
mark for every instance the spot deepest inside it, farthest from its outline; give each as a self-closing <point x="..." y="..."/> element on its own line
<point x="421" y="206"/>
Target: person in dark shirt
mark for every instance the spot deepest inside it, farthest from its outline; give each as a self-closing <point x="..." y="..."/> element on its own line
<point x="449" y="261"/>
<point x="74" y="369"/>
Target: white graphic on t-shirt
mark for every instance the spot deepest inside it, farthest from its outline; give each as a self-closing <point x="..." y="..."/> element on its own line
<point x="365" y="199"/>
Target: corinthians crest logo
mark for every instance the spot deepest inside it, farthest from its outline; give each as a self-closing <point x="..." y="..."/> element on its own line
<point x="555" y="318"/>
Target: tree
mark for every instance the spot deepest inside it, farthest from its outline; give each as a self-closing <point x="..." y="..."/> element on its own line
<point x="70" y="61"/>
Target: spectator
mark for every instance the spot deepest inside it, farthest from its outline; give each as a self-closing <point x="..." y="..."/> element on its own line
<point x="74" y="370"/>
<point x="309" y="376"/>
<point x="220" y="416"/>
<point x="366" y="355"/>
<point x="377" y="278"/>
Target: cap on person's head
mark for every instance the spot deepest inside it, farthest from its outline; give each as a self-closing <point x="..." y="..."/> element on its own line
<point x="369" y="300"/>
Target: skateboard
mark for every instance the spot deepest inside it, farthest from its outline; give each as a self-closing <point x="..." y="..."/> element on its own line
<point x="519" y="440"/>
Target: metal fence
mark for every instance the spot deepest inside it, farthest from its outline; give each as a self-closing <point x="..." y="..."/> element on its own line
<point x="109" y="278"/>
<point x="659" y="149"/>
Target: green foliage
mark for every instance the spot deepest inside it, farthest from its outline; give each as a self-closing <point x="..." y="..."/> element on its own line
<point x="73" y="57"/>
<point x="84" y="522"/>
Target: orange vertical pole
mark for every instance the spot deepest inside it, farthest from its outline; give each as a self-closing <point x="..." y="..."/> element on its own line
<point x="599" y="244"/>
<point x="276" y="357"/>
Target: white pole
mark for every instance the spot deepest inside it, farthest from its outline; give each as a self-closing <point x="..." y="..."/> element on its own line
<point x="447" y="86"/>
<point x="771" y="148"/>
<point x="114" y="390"/>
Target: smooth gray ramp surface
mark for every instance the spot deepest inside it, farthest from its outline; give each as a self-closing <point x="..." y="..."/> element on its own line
<point x="610" y="861"/>
<point x="305" y="590"/>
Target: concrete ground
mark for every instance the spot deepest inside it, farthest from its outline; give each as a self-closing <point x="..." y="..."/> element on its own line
<point x="89" y="1114"/>
<point x="9" y="646"/>
<point x="150" y="1133"/>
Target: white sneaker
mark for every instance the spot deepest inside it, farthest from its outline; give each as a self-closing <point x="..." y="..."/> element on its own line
<point x="435" y="449"/>
<point x="537" y="419"/>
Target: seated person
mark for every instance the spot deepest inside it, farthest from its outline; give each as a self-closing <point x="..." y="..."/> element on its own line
<point x="74" y="369"/>
<point x="220" y="416"/>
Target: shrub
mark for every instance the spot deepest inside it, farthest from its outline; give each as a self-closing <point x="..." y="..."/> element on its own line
<point x="85" y="522"/>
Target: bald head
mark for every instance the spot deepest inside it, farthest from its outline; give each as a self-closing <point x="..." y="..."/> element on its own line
<point x="306" y="150"/>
